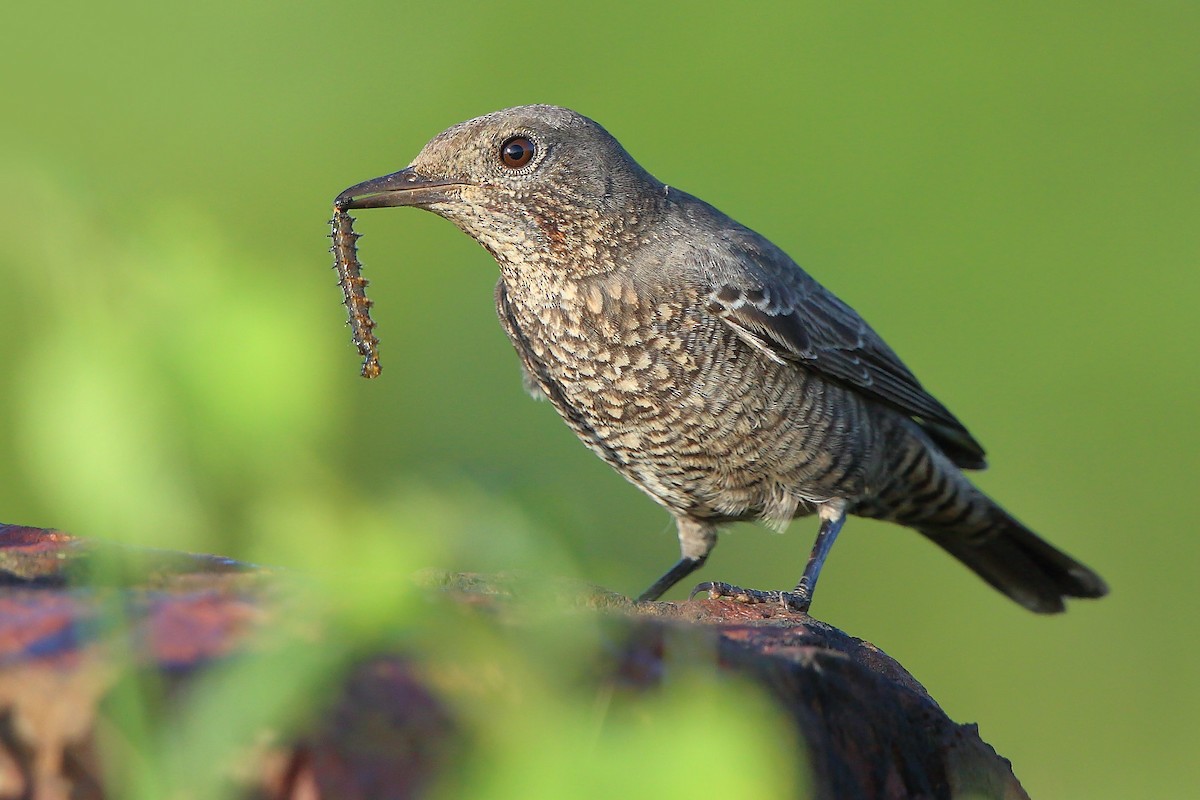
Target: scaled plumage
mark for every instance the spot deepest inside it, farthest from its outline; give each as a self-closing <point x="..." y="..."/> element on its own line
<point x="701" y="362"/>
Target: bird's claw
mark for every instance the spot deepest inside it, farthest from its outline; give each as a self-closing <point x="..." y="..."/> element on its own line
<point x="793" y="601"/>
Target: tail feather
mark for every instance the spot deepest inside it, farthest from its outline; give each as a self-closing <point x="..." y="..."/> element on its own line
<point x="923" y="487"/>
<point x="1019" y="563"/>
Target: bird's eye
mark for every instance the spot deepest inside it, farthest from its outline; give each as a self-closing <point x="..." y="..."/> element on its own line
<point x="516" y="152"/>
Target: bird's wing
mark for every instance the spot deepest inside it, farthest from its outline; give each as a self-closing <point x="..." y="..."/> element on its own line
<point x="782" y="312"/>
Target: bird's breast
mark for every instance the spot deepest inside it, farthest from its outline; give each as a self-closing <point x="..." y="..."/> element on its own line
<point x="646" y="368"/>
<point x="611" y="351"/>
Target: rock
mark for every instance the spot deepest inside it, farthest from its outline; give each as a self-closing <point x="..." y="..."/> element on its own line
<point x="871" y="730"/>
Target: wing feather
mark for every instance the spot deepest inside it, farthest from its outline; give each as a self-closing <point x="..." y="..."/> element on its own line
<point x="785" y="314"/>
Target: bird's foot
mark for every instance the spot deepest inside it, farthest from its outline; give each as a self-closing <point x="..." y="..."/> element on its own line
<point x="794" y="601"/>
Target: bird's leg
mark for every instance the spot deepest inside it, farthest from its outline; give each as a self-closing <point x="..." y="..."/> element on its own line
<point x="683" y="567"/>
<point x="696" y="541"/>
<point x="833" y="516"/>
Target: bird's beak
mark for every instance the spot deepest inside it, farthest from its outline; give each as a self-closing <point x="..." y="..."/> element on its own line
<point x="404" y="188"/>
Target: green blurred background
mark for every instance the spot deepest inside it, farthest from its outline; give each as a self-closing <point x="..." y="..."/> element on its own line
<point x="1007" y="192"/>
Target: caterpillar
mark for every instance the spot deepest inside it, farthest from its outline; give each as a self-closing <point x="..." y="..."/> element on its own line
<point x="354" y="290"/>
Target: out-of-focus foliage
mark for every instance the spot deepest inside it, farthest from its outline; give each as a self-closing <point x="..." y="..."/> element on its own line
<point x="531" y="717"/>
<point x="1007" y="193"/>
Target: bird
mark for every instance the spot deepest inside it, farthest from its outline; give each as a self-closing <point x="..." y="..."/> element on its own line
<point x="703" y="364"/>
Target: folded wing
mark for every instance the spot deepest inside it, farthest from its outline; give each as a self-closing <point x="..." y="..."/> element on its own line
<point x="781" y="311"/>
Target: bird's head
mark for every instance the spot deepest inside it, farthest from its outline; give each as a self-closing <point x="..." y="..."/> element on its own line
<point x="529" y="183"/>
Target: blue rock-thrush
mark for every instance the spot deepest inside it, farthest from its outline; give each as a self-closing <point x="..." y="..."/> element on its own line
<point x="702" y="363"/>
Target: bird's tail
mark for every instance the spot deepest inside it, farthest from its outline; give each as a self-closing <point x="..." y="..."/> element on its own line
<point x="923" y="489"/>
<point x="1019" y="563"/>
